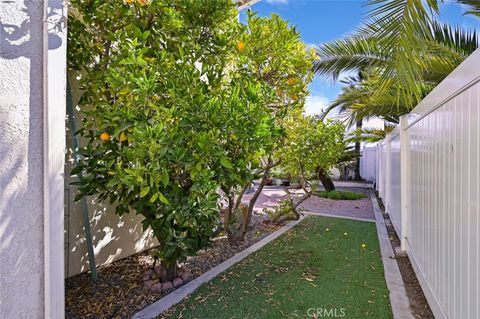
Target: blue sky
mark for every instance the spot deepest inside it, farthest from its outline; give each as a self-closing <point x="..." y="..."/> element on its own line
<point x="324" y="20"/>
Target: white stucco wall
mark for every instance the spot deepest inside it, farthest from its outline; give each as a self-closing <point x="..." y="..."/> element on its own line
<point x="21" y="165"/>
<point x="32" y="150"/>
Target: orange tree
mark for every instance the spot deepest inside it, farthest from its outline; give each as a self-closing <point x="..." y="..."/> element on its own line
<point x="178" y="100"/>
<point x="161" y="111"/>
<point x="311" y="144"/>
<point x="273" y="55"/>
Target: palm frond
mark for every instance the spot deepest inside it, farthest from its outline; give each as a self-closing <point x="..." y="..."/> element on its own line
<point x="473" y="6"/>
<point x="405" y="54"/>
<point x="349" y="154"/>
<point x="369" y="135"/>
<point x="353" y="53"/>
<point x="460" y="40"/>
<point x="449" y="47"/>
<point x="401" y="26"/>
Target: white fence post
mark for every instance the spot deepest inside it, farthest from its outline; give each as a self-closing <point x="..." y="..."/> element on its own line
<point x="381" y="169"/>
<point x="54" y="98"/>
<point x="388" y="175"/>
<point x="377" y="168"/>
<point x="404" y="180"/>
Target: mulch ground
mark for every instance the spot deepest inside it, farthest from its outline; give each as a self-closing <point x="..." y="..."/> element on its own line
<point x="119" y="291"/>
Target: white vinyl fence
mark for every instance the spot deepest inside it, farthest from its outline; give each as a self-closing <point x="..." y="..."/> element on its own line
<point x="429" y="179"/>
<point x="368" y="163"/>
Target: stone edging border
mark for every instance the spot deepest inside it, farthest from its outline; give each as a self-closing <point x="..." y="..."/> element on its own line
<point x="398" y="296"/>
<point x="306" y="212"/>
<point x="179" y="294"/>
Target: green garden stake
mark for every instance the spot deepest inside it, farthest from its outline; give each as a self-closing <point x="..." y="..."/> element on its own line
<point x="83" y="201"/>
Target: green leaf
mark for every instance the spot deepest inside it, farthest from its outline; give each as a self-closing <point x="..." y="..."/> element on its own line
<point x="154" y="198"/>
<point x="76" y="170"/>
<point x="165" y="178"/>
<point x="146" y="34"/>
<point x="163" y="199"/>
<point x="163" y="151"/>
<point x="144" y="191"/>
<point x="120" y="210"/>
<point x="226" y="163"/>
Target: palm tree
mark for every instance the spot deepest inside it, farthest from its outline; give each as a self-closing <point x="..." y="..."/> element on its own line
<point x="409" y="52"/>
<point x="354" y="105"/>
<point x="344" y="103"/>
<point x="404" y="51"/>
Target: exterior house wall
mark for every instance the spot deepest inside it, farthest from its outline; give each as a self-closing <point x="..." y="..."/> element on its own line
<point x="113" y="237"/>
<point x="32" y="144"/>
<point x="368" y="163"/>
<point x="21" y="160"/>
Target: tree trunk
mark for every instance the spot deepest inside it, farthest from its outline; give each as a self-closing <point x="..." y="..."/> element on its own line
<point x="357" y="176"/>
<point x="252" y="202"/>
<point x="303" y="185"/>
<point x="326" y="180"/>
<point x="226" y="216"/>
<point x="239" y="197"/>
<point x="168" y="273"/>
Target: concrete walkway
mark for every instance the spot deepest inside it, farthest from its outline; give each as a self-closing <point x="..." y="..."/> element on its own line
<point x="398" y="296"/>
<point x="356" y="209"/>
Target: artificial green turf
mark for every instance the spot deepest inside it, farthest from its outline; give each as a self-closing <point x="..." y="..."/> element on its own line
<point x="342" y="195"/>
<point x="320" y="263"/>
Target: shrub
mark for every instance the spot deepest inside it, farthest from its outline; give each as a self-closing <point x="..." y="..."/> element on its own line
<point x="342" y="195"/>
<point x="281" y="213"/>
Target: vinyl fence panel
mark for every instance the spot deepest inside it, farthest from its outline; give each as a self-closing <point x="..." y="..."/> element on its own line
<point x="394" y="180"/>
<point x="428" y="173"/>
<point x="368" y="163"/>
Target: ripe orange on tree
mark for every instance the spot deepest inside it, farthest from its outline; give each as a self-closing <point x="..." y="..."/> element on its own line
<point x="104" y="136"/>
<point x="241" y="46"/>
